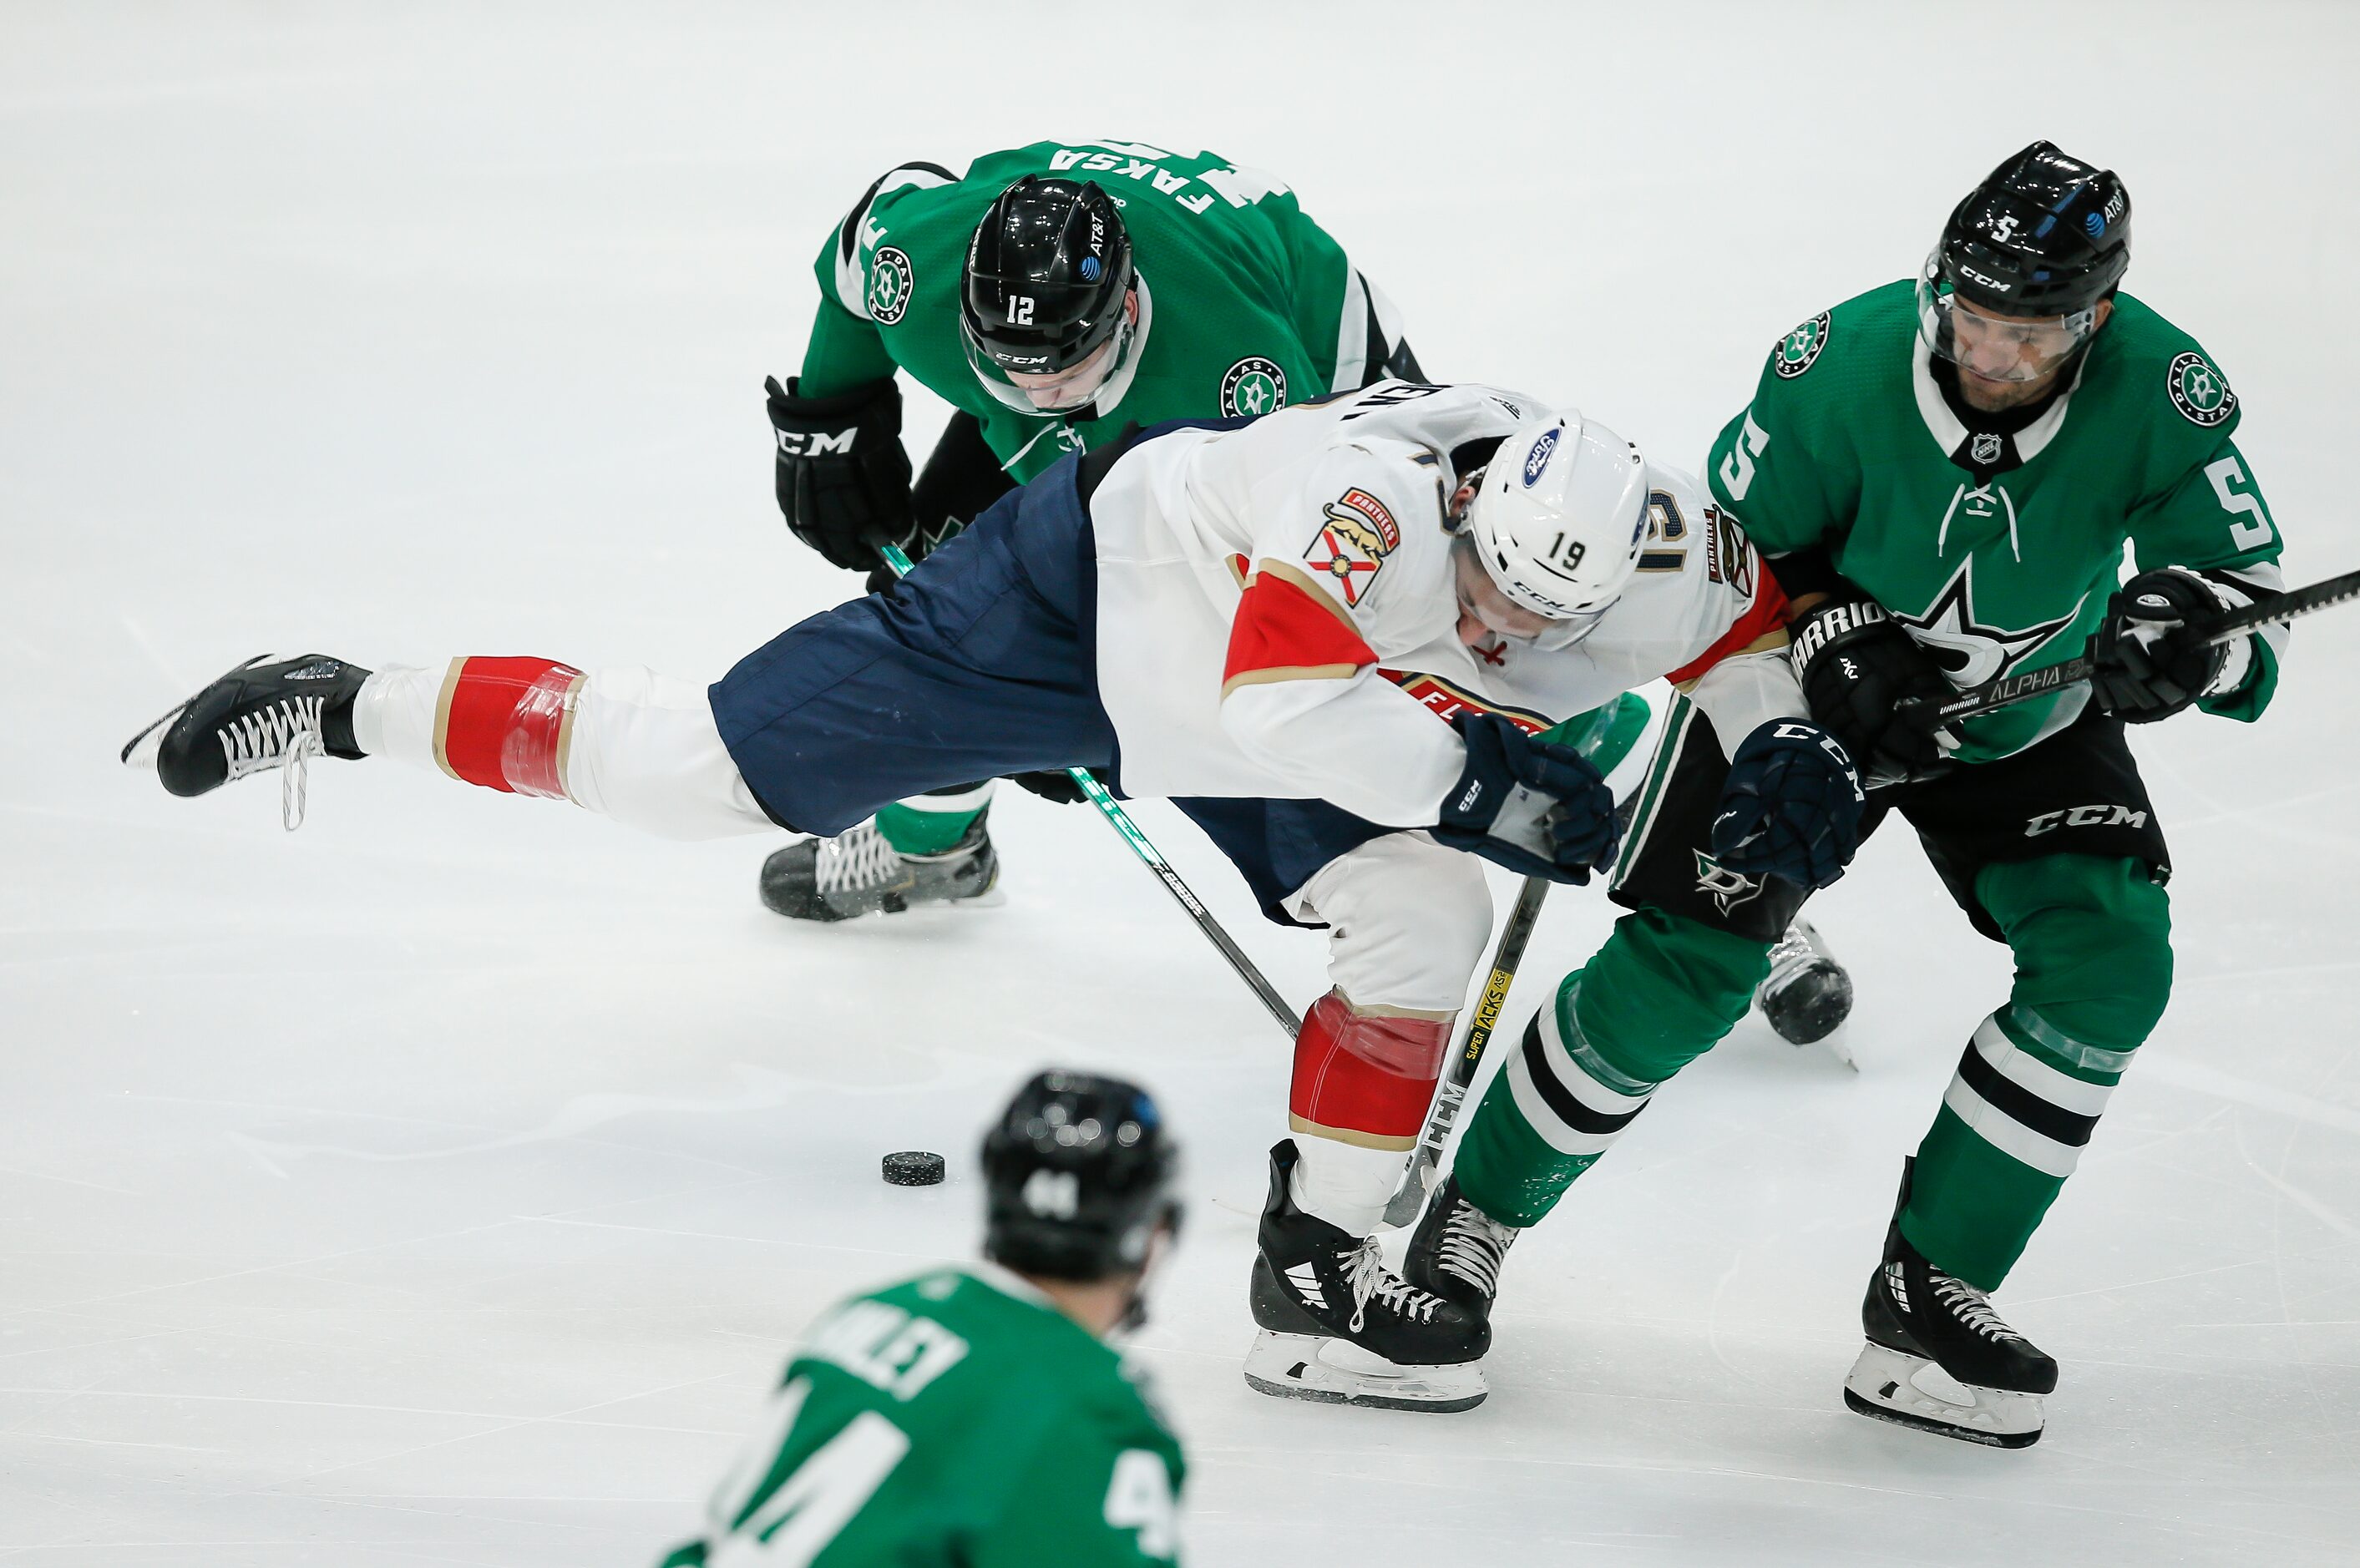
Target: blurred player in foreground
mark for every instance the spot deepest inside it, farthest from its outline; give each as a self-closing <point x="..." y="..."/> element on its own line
<point x="1348" y="621"/>
<point x="1945" y="473"/>
<point x="976" y="1415"/>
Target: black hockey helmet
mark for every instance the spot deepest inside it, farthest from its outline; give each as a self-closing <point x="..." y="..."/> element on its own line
<point x="1079" y="1176"/>
<point x="2044" y="236"/>
<point x="1047" y="271"/>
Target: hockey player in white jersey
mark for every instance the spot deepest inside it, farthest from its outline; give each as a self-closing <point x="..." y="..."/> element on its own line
<point x="1342" y="624"/>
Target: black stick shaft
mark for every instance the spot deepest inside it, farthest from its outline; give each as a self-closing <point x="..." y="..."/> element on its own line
<point x="1141" y="845"/>
<point x="1506" y="959"/>
<point x="2013" y="689"/>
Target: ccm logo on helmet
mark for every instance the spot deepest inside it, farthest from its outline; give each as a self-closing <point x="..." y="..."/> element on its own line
<point x="1543" y="449"/>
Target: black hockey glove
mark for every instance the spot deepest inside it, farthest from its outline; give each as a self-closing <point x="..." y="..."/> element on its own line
<point x="1054" y="784"/>
<point x="1537" y="807"/>
<point x="1855" y="666"/>
<point x="843" y="477"/>
<point x="1791" y="806"/>
<point x="2143" y="674"/>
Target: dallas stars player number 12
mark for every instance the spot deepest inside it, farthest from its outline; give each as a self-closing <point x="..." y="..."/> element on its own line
<point x="1054" y="295"/>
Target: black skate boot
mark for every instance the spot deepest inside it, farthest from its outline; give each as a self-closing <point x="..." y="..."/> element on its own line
<point x="1926" y="1327"/>
<point x="1338" y="1326"/>
<point x="1807" y="995"/>
<point x="860" y="873"/>
<point x="266" y="712"/>
<point x="1457" y="1251"/>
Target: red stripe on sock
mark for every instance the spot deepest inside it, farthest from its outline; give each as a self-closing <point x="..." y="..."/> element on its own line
<point x="1366" y="1073"/>
<point x="505" y="722"/>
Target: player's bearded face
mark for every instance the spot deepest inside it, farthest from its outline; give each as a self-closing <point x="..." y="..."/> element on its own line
<point x="2009" y="348"/>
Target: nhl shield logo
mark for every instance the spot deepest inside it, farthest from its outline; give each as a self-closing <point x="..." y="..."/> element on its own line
<point x="1799" y="349"/>
<point x="2199" y="392"/>
<point x="1253" y="385"/>
<point x="889" y="286"/>
<point x="1987" y="448"/>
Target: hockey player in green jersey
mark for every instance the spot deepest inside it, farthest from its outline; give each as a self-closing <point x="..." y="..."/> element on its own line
<point x="1053" y="295"/>
<point x="975" y="1416"/>
<point x="1945" y="473"/>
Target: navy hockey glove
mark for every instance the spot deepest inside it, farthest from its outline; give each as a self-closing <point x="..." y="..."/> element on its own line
<point x="1791" y="806"/>
<point x="1055" y="784"/>
<point x="2142" y="674"/>
<point x="1856" y="665"/>
<point x="1537" y="807"/>
<point x="843" y="477"/>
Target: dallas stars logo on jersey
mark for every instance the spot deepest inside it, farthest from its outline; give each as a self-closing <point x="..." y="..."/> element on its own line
<point x="2198" y="391"/>
<point x="1798" y="350"/>
<point x="1253" y="385"/>
<point x="1970" y="651"/>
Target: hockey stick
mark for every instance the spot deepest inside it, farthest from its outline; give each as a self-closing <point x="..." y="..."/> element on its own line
<point x="1933" y="711"/>
<point x="1426" y="1159"/>
<point x="1111" y="809"/>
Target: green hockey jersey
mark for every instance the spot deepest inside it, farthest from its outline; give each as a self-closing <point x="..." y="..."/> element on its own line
<point x="958" y="1417"/>
<point x="1998" y="552"/>
<point x="1246" y="304"/>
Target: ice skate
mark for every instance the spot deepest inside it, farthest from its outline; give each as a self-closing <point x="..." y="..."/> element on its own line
<point x="265" y="712"/>
<point x="1807" y="995"/>
<point x="1337" y="1326"/>
<point x="860" y="873"/>
<point x="1940" y="1359"/>
<point x="1457" y="1251"/>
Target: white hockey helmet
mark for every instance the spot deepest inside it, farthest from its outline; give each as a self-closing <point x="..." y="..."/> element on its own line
<point x="1557" y="516"/>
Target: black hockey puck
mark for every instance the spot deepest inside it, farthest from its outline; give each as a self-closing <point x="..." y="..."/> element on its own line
<point x="914" y="1167"/>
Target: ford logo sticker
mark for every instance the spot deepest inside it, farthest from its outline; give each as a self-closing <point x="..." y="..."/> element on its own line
<point x="1537" y="459"/>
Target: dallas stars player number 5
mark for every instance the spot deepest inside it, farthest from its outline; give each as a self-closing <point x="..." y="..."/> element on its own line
<point x="1944" y="472"/>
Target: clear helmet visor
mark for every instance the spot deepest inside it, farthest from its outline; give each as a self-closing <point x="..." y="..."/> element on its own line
<point x="1047" y="391"/>
<point x="1482" y="597"/>
<point x="1988" y="346"/>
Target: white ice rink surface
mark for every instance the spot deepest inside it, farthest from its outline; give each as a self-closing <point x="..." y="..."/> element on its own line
<point x="444" y="1183"/>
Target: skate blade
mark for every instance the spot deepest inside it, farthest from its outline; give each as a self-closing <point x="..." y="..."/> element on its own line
<point x="1330" y="1372"/>
<point x="140" y="750"/>
<point x="1890" y="1386"/>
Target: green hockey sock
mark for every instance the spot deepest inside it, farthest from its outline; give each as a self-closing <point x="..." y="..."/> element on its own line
<point x="2093" y="940"/>
<point x="933" y="823"/>
<point x="1658" y="995"/>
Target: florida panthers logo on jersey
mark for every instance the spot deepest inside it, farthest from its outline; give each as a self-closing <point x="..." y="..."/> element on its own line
<point x="1972" y="652"/>
<point x="1352" y="544"/>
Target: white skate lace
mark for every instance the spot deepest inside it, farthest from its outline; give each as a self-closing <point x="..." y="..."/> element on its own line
<point x="862" y="857"/>
<point x="1366" y="1272"/>
<point x="284" y="734"/>
<point x="1971" y="1307"/>
<point x="1473" y="1246"/>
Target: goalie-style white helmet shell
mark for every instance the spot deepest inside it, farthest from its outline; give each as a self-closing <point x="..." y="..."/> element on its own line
<point x="1558" y="516"/>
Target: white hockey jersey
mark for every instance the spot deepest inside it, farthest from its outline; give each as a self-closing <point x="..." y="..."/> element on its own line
<point x="1277" y="614"/>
